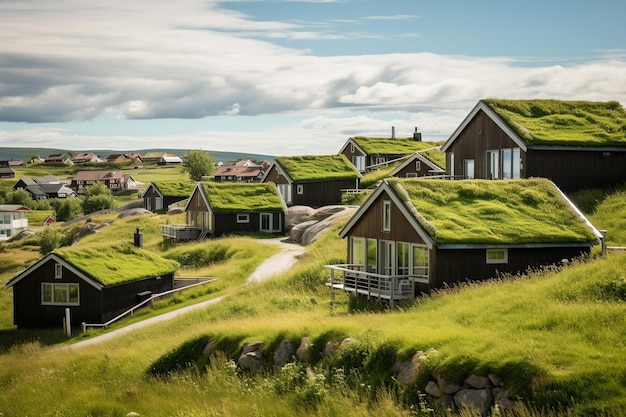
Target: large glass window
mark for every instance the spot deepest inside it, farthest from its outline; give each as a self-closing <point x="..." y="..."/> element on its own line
<point x="419" y="263"/>
<point x="61" y="294"/>
<point x="511" y="164"/>
<point x="359" y="162"/>
<point x="493" y="165"/>
<point x="372" y="255"/>
<point x="357" y="255"/>
<point x="468" y="169"/>
<point x="402" y="258"/>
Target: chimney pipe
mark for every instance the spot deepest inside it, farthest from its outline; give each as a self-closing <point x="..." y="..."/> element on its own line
<point x="138" y="238"/>
<point x="417" y="136"/>
<point x="393" y="132"/>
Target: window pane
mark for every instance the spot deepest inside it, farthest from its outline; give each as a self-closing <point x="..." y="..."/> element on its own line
<point x="420" y="262"/>
<point x="47" y="293"/>
<point x="371" y="255"/>
<point x="469" y="169"/>
<point x="516" y="163"/>
<point x="60" y="293"/>
<point x="506" y="164"/>
<point x="358" y="251"/>
<point x="386" y="215"/>
<point x="402" y="256"/>
<point x="73" y="293"/>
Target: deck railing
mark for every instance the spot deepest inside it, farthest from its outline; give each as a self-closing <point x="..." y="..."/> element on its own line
<point x="353" y="278"/>
<point x="180" y="231"/>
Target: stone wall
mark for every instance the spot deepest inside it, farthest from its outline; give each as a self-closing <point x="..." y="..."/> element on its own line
<point x="481" y="393"/>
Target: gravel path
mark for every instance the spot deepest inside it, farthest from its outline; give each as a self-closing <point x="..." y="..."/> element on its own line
<point x="272" y="266"/>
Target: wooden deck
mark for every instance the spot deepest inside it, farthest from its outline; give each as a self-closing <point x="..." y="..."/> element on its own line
<point x="352" y="278"/>
<point x="180" y="232"/>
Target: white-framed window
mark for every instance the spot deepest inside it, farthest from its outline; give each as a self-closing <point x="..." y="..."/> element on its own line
<point x="285" y="192"/>
<point x="60" y="294"/>
<point x="243" y="218"/>
<point x="379" y="160"/>
<point x="418" y="166"/>
<point x="357" y="251"/>
<point x="411" y="174"/>
<point x="497" y="256"/>
<point x="493" y="165"/>
<point x="468" y="169"/>
<point x="372" y="255"/>
<point x="452" y="164"/>
<point x="511" y="164"/>
<point x="403" y="258"/>
<point x="58" y="271"/>
<point x="386" y="216"/>
<point x="419" y="262"/>
<point x="300" y="189"/>
<point x="359" y="163"/>
<point x="352" y="149"/>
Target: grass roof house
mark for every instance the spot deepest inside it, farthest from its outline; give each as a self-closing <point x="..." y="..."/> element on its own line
<point x="418" y="235"/>
<point x="97" y="283"/>
<point x="215" y="209"/>
<point x="368" y="154"/>
<point x="161" y="194"/>
<point x="576" y="144"/>
<point x="312" y="180"/>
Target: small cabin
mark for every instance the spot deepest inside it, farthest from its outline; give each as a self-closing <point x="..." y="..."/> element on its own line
<point x="312" y="180"/>
<point x="95" y="283"/>
<point x="418" y="235"/>
<point x="160" y="195"/>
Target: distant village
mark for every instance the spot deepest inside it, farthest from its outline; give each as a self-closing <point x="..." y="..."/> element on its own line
<point x="436" y="213"/>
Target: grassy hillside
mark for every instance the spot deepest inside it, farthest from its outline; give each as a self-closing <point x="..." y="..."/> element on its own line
<point x="556" y="337"/>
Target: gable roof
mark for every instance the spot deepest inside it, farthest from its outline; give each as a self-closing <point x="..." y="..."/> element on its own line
<point x="173" y="188"/>
<point x="104" y="265"/>
<point x="517" y="212"/>
<point x="417" y="156"/>
<point x="97" y="175"/>
<point x="224" y="197"/>
<point x="238" y="171"/>
<point x="387" y="146"/>
<point x="542" y="122"/>
<point x="311" y="168"/>
<point x="13" y="208"/>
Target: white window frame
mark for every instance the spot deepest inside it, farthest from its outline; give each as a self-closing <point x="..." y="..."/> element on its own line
<point x="358" y="247"/>
<point x="418" y="166"/>
<point x="425" y="276"/>
<point x="411" y="174"/>
<point x="58" y="271"/>
<point x="60" y="286"/>
<point x="452" y="164"/>
<point x="490" y="257"/>
<point x="300" y="189"/>
<point x="386" y="215"/>
<point x="403" y="264"/>
<point x="243" y="218"/>
<point x="493" y="165"/>
<point x="466" y="171"/>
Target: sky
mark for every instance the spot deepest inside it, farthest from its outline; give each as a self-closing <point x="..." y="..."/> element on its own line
<point x="289" y="77"/>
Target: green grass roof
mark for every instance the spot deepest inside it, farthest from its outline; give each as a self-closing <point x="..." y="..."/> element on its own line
<point x="318" y="167"/>
<point x="564" y="123"/>
<point x="242" y="197"/>
<point x="435" y="155"/>
<point x="116" y="264"/>
<point x="175" y="188"/>
<point x="493" y="212"/>
<point x="388" y="146"/>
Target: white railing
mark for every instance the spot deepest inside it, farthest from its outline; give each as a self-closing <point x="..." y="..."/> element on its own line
<point x="179" y="231"/>
<point x="149" y="300"/>
<point x="353" y="278"/>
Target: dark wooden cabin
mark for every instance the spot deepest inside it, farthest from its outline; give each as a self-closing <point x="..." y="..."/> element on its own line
<point x="216" y="209"/>
<point x="417" y="165"/>
<point x="161" y="194"/>
<point x="314" y="180"/>
<point x="576" y="144"/>
<point x="408" y="238"/>
<point x="93" y="293"/>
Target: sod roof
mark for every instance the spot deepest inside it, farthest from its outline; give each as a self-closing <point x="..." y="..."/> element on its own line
<point x="434" y="155"/>
<point x="388" y="146"/>
<point x="318" y="168"/>
<point x="117" y="263"/>
<point x="175" y="188"/>
<point x="227" y="197"/>
<point x="507" y="212"/>
<point x="564" y="123"/>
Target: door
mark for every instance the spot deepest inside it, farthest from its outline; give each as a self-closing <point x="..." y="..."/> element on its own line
<point x="266" y="222"/>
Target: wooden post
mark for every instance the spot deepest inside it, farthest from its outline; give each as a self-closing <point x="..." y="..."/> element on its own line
<point x="68" y="324"/>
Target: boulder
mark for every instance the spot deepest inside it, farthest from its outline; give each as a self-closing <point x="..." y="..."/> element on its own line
<point x="432" y="389"/>
<point x="284" y="353"/>
<point x="478" y="400"/>
<point x="296" y="215"/>
<point x="251" y="357"/>
<point x="327" y="211"/>
<point x="406" y="371"/>
<point x="133" y="212"/>
<point x="478" y="382"/>
<point x="303" y="350"/>
<point x="312" y="233"/>
<point x="208" y="348"/>
<point x="298" y="230"/>
<point x="445" y="386"/>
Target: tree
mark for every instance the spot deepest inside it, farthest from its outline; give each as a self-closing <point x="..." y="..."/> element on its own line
<point x="67" y="208"/>
<point x="198" y="163"/>
<point x="49" y="240"/>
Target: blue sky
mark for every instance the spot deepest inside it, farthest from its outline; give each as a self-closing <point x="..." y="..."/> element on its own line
<point x="288" y="77"/>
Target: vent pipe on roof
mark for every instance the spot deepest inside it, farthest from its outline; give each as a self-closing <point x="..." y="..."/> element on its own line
<point x="393" y="132"/>
<point x="417" y="136"/>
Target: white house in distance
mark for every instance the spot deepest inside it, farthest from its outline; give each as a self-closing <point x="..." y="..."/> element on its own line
<point x="13" y="219"/>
